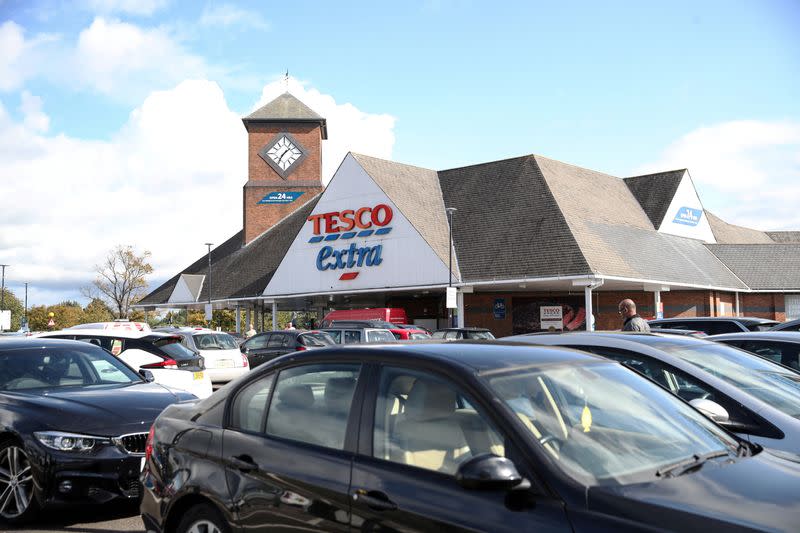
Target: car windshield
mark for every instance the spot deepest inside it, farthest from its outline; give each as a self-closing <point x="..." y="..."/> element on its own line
<point x="316" y="339"/>
<point x="38" y="368"/>
<point x="603" y="423"/>
<point x="479" y="335"/>
<point x="172" y="346"/>
<point x="380" y="336"/>
<point x="767" y="381"/>
<point x="215" y="341"/>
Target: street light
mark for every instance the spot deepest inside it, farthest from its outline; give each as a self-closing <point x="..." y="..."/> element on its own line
<point x="450" y="212"/>
<point x="3" y="291"/>
<point x="26" y="304"/>
<point x="210" y="310"/>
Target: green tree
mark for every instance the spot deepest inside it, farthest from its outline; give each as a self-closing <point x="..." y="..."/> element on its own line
<point x="97" y="311"/>
<point x="12" y="303"/>
<point x="121" y="279"/>
<point x="67" y="314"/>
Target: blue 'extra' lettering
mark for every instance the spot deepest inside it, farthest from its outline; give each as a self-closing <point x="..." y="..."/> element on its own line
<point x="328" y="258"/>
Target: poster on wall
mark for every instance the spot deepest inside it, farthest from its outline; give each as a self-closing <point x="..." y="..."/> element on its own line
<point x="531" y="315"/>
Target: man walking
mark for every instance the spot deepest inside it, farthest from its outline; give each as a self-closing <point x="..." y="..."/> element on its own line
<point x="633" y="322"/>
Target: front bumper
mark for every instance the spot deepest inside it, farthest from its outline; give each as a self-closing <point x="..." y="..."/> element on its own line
<point x="62" y="478"/>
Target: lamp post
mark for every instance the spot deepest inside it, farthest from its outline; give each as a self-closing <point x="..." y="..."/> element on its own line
<point x="3" y="291"/>
<point x="211" y="310"/>
<point x="26" y="304"/>
<point x="450" y="212"/>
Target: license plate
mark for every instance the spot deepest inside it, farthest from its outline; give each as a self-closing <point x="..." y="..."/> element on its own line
<point x="225" y="363"/>
<point x="198" y="375"/>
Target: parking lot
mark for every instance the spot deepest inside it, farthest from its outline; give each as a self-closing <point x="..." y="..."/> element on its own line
<point x="86" y="519"/>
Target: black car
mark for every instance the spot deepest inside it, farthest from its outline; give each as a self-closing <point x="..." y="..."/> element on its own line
<point x="791" y="325"/>
<point x="268" y="345"/>
<point x="782" y="346"/>
<point x="467" y="436"/>
<point x="715" y="324"/>
<point x="73" y="425"/>
<point x="453" y="334"/>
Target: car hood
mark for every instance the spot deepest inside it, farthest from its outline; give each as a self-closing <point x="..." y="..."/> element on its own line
<point x="103" y="411"/>
<point x="759" y="492"/>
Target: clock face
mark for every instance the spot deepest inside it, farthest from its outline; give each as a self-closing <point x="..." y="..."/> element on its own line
<point x="283" y="154"/>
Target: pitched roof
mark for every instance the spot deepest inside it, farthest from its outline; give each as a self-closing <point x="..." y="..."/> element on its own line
<point x="762" y="266"/>
<point x="784" y="236"/>
<point x="654" y="192"/>
<point x="725" y="233"/>
<point x="417" y="194"/>
<point x="241" y="271"/>
<point x="286" y="108"/>
<point x="507" y="224"/>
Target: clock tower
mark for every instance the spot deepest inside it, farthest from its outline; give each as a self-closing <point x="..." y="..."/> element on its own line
<point x="284" y="162"/>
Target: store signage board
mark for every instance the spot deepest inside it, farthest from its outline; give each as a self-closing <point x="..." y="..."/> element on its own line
<point x="451" y="298"/>
<point x="499" y="308"/>
<point x="278" y="197"/>
<point x="685" y="216"/>
<point x="354" y="239"/>
<point x="551" y="317"/>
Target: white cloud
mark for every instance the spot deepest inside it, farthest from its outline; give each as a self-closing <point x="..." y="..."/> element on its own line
<point x="131" y="7"/>
<point x="227" y="15"/>
<point x="168" y="181"/>
<point x="20" y="58"/>
<point x="349" y="129"/>
<point x="747" y="171"/>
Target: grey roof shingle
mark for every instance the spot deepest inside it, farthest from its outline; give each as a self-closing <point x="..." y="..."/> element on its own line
<point x="286" y="108"/>
<point x="241" y="271"/>
<point x="725" y="233"/>
<point x="417" y="194"/>
<point x="762" y="266"/>
<point x="785" y="236"/>
<point x="654" y="192"/>
<point x="508" y="225"/>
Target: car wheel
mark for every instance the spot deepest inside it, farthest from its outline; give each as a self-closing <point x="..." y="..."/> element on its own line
<point x="17" y="501"/>
<point x="202" y="519"/>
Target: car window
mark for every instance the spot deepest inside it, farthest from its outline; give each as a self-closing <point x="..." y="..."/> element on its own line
<point x="336" y="335"/>
<point x="257" y="343"/>
<point x="173" y="347"/>
<point x="112" y="344"/>
<point x="721" y="326"/>
<point x="312" y="403"/>
<point x="426" y="422"/>
<point x="277" y="340"/>
<point x="479" y="335"/>
<point x="785" y="353"/>
<point x="419" y="336"/>
<point x="250" y="405"/>
<point x="761" y="327"/>
<point x="317" y="340"/>
<point x="352" y="336"/>
<point x="215" y="341"/>
<point x="380" y="336"/>
<point x="451" y="335"/>
<point x="438" y="334"/>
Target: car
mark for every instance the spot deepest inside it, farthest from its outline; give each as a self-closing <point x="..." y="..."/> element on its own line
<point x="358" y="334"/>
<point x="224" y="360"/>
<point x="782" y="347"/>
<point x="413" y="326"/>
<point x="791" y="325"/>
<point x="73" y="425"/>
<point x="384" y="314"/>
<point x="399" y="332"/>
<point x="459" y="436"/>
<point x="452" y="334"/>
<point x="170" y="363"/>
<point x="268" y="345"/>
<point x="668" y="331"/>
<point x="119" y="324"/>
<point x="715" y="325"/>
<point x="746" y="394"/>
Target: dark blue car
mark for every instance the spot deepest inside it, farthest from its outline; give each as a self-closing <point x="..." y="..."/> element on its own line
<point x="484" y="436"/>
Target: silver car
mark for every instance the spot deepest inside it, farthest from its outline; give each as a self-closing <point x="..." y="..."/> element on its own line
<point x="358" y="335"/>
<point x="750" y="396"/>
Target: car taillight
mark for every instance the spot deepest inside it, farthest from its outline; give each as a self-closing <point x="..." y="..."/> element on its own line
<point x="245" y="362"/>
<point x="300" y="349"/>
<point x="148" y="446"/>
<point x="166" y="363"/>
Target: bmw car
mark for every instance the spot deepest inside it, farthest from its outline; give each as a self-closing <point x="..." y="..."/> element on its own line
<point x="461" y="436"/>
<point x="73" y="425"/>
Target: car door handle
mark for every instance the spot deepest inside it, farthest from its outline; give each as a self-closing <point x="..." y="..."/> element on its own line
<point x="374" y="500"/>
<point x="244" y="463"/>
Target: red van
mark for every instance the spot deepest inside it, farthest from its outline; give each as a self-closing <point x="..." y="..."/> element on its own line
<point x="395" y="315"/>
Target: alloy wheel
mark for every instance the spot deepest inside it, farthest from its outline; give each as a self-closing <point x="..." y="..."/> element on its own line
<point x="16" y="482"/>
<point x="203" y="526"/>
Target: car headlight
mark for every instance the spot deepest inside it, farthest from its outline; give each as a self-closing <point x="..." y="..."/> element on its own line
<point x="69" y="442"/>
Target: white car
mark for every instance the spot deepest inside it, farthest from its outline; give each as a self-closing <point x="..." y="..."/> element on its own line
<point x="220" y="351"/>
<point x="162" y="354"/>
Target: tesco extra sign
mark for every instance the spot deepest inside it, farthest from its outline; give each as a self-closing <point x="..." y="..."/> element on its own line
<point x="348" y="224"/>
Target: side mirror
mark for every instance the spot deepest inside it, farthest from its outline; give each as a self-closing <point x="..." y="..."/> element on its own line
<point x="147" y="375"/>
<point x="488" y="472"/>
<point x="711" y="409"/>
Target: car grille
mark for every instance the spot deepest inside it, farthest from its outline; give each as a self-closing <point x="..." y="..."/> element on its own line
<point x="132" y="443"/>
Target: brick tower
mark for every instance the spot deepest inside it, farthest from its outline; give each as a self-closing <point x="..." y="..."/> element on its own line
<point x="284" y="162"/>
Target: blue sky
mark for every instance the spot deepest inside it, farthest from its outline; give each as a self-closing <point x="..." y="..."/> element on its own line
<point x="93" y="96"/>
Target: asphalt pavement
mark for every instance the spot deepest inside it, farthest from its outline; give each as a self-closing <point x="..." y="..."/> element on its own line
<point x="84" y="519"/>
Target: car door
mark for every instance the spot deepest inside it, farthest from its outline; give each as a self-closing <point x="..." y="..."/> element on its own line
<point x="784" y="353"/>
<point x="288" y="448"/>
<point x="417" y="427"/>
<point x="277" y="345"/>
<point x="255" y="348"/>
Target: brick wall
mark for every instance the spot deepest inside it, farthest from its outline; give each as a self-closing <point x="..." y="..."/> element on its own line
<point x="763" y="305"/>
<point x="258" y="218"/>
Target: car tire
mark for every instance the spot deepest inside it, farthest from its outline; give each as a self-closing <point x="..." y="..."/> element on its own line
<point x="17" y="499"/>
<point x="203" y="519"/>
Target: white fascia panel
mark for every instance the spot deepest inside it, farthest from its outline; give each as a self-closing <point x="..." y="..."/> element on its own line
<point x="406" y="258"/>
<point x="685" y="216"/>
<point x="181" y="293"/>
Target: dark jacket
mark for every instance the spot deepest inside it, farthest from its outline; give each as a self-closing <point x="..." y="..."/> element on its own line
<point x="635" y="323"/>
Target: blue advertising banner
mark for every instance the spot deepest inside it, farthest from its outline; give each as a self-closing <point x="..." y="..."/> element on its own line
<point x="688" y="216"/>
<point x="500" y="308"/>
<point x="280" y="197"/>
